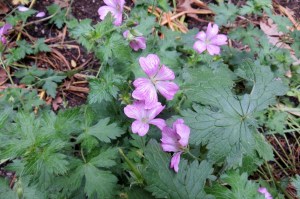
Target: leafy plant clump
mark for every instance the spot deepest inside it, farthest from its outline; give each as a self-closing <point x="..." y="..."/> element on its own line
<point x="170" y="113"/>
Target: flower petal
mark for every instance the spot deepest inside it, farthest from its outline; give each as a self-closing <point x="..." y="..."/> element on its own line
<point x="167" y="89"/>
<point x="146" y="91"/>
<point x="4" y="29"/>
<point x="150" y="64"/>
<point x="213" y="50"/>
<point x="265" y="192"/>
<point x="199" y="46"/>
<point x="134" y="111"/>
<point x="169" y="140"/>
<point x="164" y="73"/>
<point x="118" y="19"/>
<point x="153" y="112"/>
<point x="175" y="162"/>
<point x="212" y="30"/>
<point x="138" y="43"/>
<point x="184" y="132"/>
<point x="111" y="3"/>
<point x="104" y="10"/>
<point x="219" y="40"/>
<point x="23" y="8"/>
<point x="159" y="123"/>
<point x="140" y="128"/>
<point x="40" y="14"/>
<point x="201" y="35"/>
<point x="125" y="34"/>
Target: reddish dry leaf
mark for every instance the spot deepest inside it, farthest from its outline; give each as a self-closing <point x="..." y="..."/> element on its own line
<point x="186" y="6"/>
<point x="3" y="76"/>
<point x="56" y="102"/>
<point x="62" y="3"/>
<point x="3" y="8"/>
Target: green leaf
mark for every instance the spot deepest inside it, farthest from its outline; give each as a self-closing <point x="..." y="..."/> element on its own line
<point x="296" y="184"/>
<point x="163" y="182"/>
<point x="225" y="13"/>
<point x="227" y="124"/>
<point x="105" y="88"/>
<point x="82" y="32"/>
<point x="59" y="15"/>
<point x="296" y="44"/>
<point x="106" y="158"/>
<point x="40" y="46"/>
<point x="97" y="183"/>
<point x="237" y="186"/>
<point x="249" y="36"/>
<point x="104" y="131"/>
<point x="100" y="182"/>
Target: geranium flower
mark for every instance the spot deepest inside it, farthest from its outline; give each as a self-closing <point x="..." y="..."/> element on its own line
<point x="143" y="117"/>
<point x="135" y="42"/>
<point x="115" y="7"/>
<point x="40" y="14"/>
<point x="175" y="139"/>
<point x="3" y="31"/>
<point x="158" y="79"/>
<point x="23" y="8"/>
<point x="265" y="192"/>
<point x="210" y="41"/>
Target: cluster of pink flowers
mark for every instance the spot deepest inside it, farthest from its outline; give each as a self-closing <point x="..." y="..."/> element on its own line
<point x="115" y="7"/>
<point x="146" y="107"/>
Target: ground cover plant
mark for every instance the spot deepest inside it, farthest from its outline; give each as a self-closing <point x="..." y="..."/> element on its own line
<point x="149" y="99"/>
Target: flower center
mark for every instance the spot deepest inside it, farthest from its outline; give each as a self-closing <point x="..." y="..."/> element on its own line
<point x="145" y="120"/>
<point x="207" y="41"/>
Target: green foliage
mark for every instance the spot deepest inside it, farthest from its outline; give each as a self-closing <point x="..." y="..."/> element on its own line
<point x="24" y="48"/>
<point x="225" y="13"/>
<point x="59" y="15"/>
<point x="227" y="117"/>
<point x="296" y="43"/>
<point x="255" y="7"/>
<point x="237" y="186"/>
<point x="104" y="88"/>
<point x="165" y="183"/>
<point x="47" y="79"/>
<point x="296" y="184"/>
<point x="40" y="46"/>
<point x="104" y="131"/>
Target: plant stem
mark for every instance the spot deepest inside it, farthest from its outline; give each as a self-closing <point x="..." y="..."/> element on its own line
<point x="136" y="172"/>
<point x="82" y="155"/>
<point x="190" y="154"/>
<point x="7" y="72"/>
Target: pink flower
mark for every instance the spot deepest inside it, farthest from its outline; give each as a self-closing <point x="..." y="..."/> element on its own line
<point x="265" y="192"/>
<point x="40" y="14"/>
<point x="210" y="41"/>
<point x="175" y="140"/>
<point x="115" y="7"/>
<point x="158" y="79"/>
<point x="135" y="42"/>
<point x="3" y="31"/>
<point x="143" y="117"/>
<point x="23" y="8"/>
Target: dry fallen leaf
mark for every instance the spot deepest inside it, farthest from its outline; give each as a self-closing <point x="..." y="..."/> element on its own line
<point x="62" y="3"/>
<point x="3" y="76"/>
<point x="23" y="2"/>
<point x="187" y="6"/>
<point x="3" y="8"/>
<point x="56" y="102"/>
